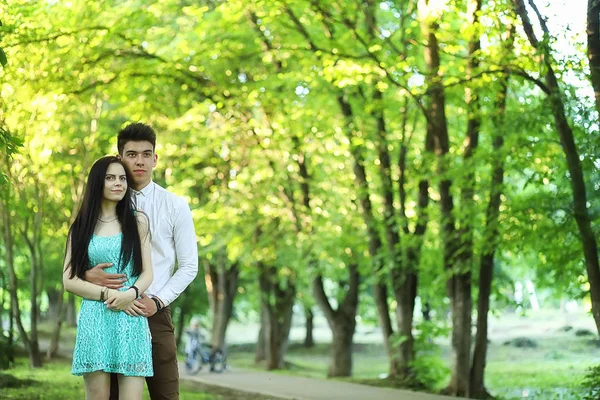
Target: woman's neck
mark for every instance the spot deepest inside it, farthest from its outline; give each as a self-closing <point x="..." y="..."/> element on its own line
<point x="108" y="210"/>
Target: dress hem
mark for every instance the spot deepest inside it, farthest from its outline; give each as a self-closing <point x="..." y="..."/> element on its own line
<point x="112" y="371"/>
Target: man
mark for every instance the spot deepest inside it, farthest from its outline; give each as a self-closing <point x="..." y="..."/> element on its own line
<point x="173" y="240"/>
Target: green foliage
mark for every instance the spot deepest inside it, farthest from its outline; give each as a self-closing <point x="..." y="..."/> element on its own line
<point x="429" y="367"/>
<point x="3" y="59"/>
<point x="239" y="111"/>
<point x="5" y="352"/>
<point x="592" y="383"/>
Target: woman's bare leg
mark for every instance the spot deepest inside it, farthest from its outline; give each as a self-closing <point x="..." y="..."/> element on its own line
<point x="97" y="385"/>
<point x="131" y="387"/>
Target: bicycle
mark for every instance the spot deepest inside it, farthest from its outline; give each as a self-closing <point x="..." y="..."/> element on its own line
<point x="198" y="354"/>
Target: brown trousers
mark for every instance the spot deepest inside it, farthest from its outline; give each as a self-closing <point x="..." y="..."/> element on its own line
<point x="164" y="385"/>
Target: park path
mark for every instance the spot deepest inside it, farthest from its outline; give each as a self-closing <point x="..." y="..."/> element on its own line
<point x="300" y="388"/>
<point x="281" y="386"/>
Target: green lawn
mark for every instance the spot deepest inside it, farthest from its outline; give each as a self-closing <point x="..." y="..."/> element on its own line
<point x="55" y="382"/>
<point x="553" y="370"/>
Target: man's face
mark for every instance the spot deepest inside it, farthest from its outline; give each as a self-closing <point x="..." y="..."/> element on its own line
<point x="140" y="160"/>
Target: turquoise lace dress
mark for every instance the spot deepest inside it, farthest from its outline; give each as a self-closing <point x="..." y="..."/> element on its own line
<point x="108" y="340"/>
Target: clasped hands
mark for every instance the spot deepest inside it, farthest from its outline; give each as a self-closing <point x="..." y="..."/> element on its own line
<point x="120" y="301"/>
<point x="125" y="301"/>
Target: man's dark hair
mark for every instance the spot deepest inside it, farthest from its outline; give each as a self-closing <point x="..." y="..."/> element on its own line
<point x="136" y="132"/>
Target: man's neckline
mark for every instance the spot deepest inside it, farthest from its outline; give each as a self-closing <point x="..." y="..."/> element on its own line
<point x="145" y="190"/>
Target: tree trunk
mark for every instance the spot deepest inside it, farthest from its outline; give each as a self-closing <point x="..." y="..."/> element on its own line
<point x="461" y="336"/>
<point x="458" y="285"/>
<point x="380" y="287"/>
<point x="593" y="50"/>
<point x="32" y="349"/>
<point x="462" y="263"/>
<point x="71" y="312"/>
<point x="58" y="321"/>
<point x="6" y="359"/>
<point x="11" y="334"/>
<point x="406" y="291"/>
<point x="180" y="325"/>
<point x="35" y="356"/>
<point x="486" y="268"/>
<point x="54" y="303"/>
<point x="309" y="341"/>
<point x="341" y="349"/>
<point x="567" y="140"/>
<point x="280" y="322"/>
<point x="278" y="299"/>
<point x="426" y="311"/>
<point x="224" y="283"/>
<point x="8" y="237"/>
<point x="405" y="285"/>
<point x="403" y="277"/>
<point x="4" y="287"/>
<point x="261" y="342"/>
<point x="341" y="321"/>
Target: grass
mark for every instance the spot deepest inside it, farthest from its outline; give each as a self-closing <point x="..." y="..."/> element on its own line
<point x="55" y="382"/>
<point x="370" y="360"/>
<point x="553" y="370"/>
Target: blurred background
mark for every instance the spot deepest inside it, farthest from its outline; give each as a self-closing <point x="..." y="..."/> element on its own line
<point x="400" y="193"/>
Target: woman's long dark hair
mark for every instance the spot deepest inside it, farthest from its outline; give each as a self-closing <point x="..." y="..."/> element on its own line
<point x="83" y="228"/>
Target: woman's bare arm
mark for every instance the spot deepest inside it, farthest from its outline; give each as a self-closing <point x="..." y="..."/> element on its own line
<point x="77" y="286"/>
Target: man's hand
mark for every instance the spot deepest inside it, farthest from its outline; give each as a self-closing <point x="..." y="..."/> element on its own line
<point x="98" y="277"/>
<point x="149" y="304"/>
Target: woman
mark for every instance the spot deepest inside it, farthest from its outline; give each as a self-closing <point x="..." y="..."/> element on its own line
<point x="111" y="338"/>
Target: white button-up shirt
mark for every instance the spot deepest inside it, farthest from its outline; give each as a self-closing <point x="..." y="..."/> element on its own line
<point x="173" y="240"/>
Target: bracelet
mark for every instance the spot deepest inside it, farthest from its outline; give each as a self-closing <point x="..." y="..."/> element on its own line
<point x="103" y="293"/>
<point x="158" y="305"/>
<point x="137" y="291"/>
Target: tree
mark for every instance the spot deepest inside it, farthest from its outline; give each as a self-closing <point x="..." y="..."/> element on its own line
<point x="572" y="156"/>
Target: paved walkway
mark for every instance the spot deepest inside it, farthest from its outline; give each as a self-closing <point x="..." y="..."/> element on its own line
<point x="282" y="386"/>
<point x="300" y="388"/>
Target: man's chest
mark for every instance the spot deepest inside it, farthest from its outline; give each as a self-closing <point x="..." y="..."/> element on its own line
<point x="161" y="220"/>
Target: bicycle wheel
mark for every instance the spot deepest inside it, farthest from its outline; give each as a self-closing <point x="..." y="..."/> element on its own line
<point x="193" y="362"/>
<point x="218" y="361"/>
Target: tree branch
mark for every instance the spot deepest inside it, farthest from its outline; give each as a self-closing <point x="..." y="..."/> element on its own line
<point x="322" y="299"/>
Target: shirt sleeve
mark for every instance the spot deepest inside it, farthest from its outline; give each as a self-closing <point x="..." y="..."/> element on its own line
<point x="186" y="254"/>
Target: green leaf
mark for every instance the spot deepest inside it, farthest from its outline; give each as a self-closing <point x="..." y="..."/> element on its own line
<point x="3" y="59"/>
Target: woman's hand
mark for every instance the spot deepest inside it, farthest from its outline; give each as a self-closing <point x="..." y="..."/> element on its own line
<point x="135" y="309"/>
<point x="120" y="300"/>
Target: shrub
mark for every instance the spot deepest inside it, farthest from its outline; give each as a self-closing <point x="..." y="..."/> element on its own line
<point x="5" y="352"/>
<point x="592" y="383"/>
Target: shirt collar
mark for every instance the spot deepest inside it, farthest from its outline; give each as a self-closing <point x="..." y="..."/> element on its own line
<point x="146" y="191"/>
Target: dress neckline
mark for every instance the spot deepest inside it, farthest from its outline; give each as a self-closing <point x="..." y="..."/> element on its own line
<point x="109" y="236"/>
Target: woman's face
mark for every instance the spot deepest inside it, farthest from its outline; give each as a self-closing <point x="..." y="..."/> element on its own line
<point x="115" y="183"/>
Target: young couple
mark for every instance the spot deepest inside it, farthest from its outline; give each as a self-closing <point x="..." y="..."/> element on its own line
<point x="120" y="257"/>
